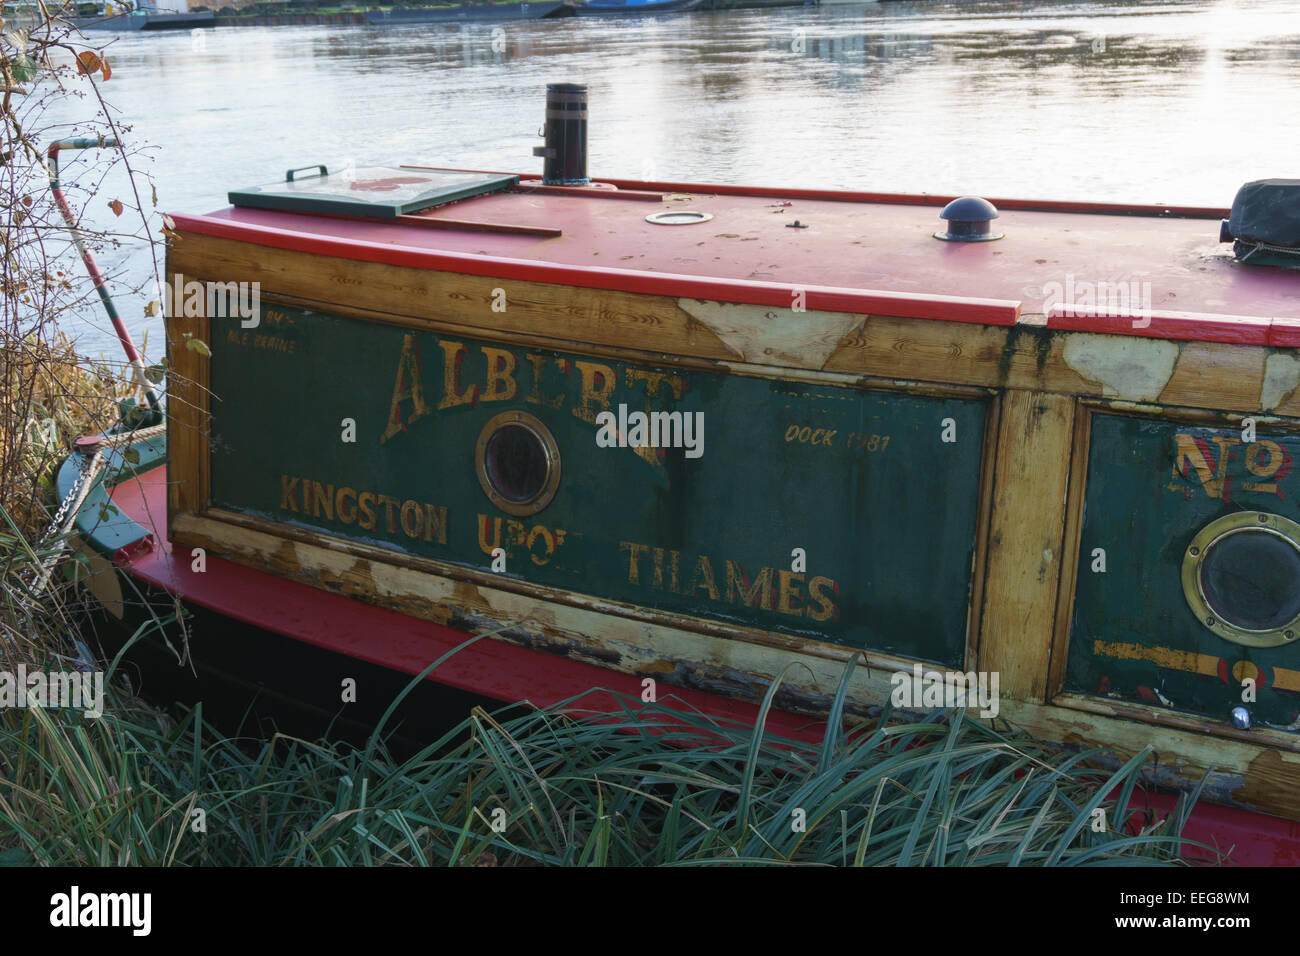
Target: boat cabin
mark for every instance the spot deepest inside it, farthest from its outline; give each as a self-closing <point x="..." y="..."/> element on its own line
<point x="1039" y="454"/>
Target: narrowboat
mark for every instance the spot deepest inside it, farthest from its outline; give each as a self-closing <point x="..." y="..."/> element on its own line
<point x="700" y="438"/>
<point x="119" y="18"/>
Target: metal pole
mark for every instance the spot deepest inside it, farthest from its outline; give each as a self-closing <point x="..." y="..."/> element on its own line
<point x="123" y="336"/>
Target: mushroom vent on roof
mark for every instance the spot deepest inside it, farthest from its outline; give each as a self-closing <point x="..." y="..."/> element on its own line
<point x="970" y="219"/>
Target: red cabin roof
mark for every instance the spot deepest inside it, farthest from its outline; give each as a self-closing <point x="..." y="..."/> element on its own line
<point x="1150" y="271"/>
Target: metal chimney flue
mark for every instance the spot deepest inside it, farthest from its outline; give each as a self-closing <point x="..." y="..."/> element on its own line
<point x="565" y="151"/>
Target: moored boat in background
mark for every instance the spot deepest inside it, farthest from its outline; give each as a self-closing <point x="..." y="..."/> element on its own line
<point x="470" y="12"/>
<point x="120" y="18"/>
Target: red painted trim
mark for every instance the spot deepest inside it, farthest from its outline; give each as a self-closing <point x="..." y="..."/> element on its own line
<point x="773" y="295"/>
<point x="897" y="199"/>
<point x="1254" y="839"/>
<point x="1284" y="333"/>
<point x="1235" y="329"/>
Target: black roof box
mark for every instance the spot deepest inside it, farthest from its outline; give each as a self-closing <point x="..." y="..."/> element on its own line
<point x="1267" y="211"/>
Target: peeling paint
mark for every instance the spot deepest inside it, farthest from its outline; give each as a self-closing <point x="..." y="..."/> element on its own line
<point x="1281" y="376"/>
<point x="1125" y="367"/>
<point x="774" y="336"/>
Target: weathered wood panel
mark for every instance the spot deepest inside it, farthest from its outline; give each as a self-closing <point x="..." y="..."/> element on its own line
<point x="1031" y="475"/>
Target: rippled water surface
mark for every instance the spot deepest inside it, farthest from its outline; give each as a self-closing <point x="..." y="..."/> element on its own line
<point x="1160" y="102"/>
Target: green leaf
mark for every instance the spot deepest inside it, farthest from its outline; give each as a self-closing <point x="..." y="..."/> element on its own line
<point x="198" y="345"/>
<point x="22" y="68"/>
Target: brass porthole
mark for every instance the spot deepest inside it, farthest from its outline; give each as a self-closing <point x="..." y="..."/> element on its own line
<point x="518" y="463"/>
<point x="1241" y="578"/>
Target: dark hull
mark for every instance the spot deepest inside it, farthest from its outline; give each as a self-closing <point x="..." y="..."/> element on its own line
<point x="149" y="21"/>
<point x="644" y="10"/>
<point x="251" y="680"/>
<point x="479" y="13"/>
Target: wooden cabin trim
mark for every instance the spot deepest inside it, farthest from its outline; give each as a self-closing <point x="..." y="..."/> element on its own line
<point x="1070" y="545"/>
<point x="600" y="278"/>
<point x="1209" y="375"/>
<point x="1029" y="493"/>
<point x="1261" y="775"/>
<point x="626" y="637"/>
<point x="187" y="415"/>
<point x="983" y="522"/>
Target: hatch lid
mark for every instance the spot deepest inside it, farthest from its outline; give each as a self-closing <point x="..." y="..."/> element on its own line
<point x="378" y="192"/>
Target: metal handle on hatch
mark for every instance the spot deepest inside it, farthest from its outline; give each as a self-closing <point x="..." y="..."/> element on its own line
<point x="288" y="177"/>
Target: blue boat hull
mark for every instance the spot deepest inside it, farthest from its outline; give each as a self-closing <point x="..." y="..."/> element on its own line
<point x="470" y="13"/>
<point x="639" y="9"/>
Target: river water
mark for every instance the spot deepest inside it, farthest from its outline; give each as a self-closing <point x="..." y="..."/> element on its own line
<point x="1170" y="102"/>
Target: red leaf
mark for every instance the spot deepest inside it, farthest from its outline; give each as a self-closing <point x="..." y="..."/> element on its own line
<point x="87" y="61"/>
<point x="116" y="207"/>
<point x="103" y="65"/>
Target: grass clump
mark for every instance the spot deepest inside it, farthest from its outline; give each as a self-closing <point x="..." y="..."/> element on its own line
<point x="651" y="785"/>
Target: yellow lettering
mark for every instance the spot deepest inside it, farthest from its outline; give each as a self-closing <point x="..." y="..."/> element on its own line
<point x="453" y="355"/>
<point x="288" y="493"/>
<point x="738" y="587"/>
<point x="500" y="385"/>
<point x="408" y="386"/>
<point x="540" y="531"/>
<point x="653" y="380"/>
<point x="635" y="551"/>
<point x="826" y="609"/>
<point x="1266" y="470"/>
<point x="347" y="512"/>
<point x="790" y="585"/>
<point x="702" y="577"/>
<point x="322" y="499"/>
<point x="435" y="522"/>
<point x="535" y="396"/>
<point x="597" y="385"/>
<point x="484" y="523"/>
<point x="366" y="503"/>
<point x="412" y="519"/>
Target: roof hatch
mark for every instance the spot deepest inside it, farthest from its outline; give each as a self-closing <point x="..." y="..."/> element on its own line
<point x="377" y="192"/>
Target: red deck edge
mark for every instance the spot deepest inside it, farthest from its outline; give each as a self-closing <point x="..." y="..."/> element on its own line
<point x="1194" y="326"/>
<point x="509" y="673"/>
<point x="1201" y="327"/>
<point x="771" y="294"/>
<point x="1284" y="333"/>
<point x="893" y="199"/>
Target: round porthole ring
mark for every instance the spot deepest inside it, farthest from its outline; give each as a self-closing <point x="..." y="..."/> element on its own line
<point x="673" y="217"/>
<point x="551" y="450"/>
<point x="1194" y="593"/>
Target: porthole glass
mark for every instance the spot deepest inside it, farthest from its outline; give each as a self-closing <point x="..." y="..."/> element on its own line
<point x="518" y="463"/>
<point x="1241" y="577"/>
